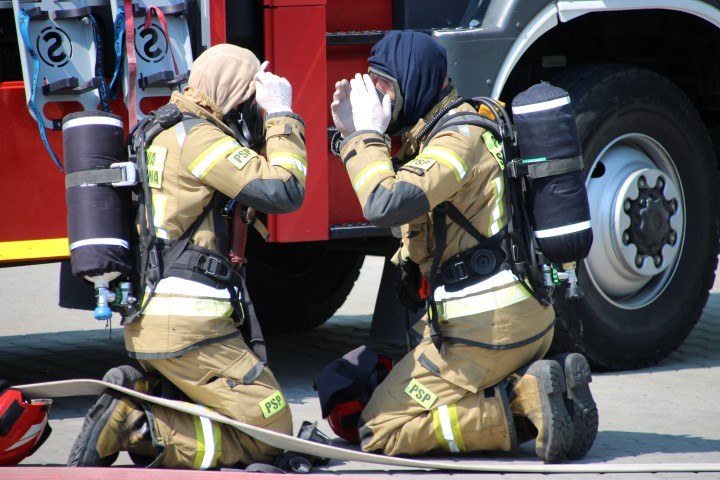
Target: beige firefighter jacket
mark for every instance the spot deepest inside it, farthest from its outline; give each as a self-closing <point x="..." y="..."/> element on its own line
<point x="186" y="165"/>
<point x="455" y="166"/>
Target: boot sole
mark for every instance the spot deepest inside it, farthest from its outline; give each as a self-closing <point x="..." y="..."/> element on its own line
<point x="97" y="418"/>
<point x="584" y="415"/>
<point x="559" y="436"/>
<point x="81" y="454"/>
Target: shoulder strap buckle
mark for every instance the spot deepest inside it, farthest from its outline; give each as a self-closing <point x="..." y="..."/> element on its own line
<point x="454" y="272"/>
<point x="215" y="268"/>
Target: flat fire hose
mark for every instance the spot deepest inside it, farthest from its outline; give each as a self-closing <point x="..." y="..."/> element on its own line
<point x="73" y="388"/>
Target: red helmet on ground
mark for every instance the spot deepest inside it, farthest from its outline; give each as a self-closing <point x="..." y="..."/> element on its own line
<point x="23" y="425"/>
<point x="345" y="387"/>
<point x="343" y="420"/>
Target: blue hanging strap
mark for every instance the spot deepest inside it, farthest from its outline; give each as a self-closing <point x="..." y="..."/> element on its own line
<point x="24" y="22"/>
<point x="102" y="89"/>
<point x="119" y="27"/>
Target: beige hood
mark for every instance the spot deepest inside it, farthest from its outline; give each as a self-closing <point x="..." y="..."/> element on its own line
<point x="221" y="78"/>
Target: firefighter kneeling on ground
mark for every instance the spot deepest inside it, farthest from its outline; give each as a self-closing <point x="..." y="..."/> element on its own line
<point x="481" y="384"/>
<point x="187" y="333"/>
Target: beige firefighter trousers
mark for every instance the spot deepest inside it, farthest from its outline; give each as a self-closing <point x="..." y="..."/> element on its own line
<point x="430" y="402"/>
<point x="227" y="378"/>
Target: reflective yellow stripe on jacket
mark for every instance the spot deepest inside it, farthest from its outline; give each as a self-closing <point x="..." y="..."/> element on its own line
<point x="364" y="176"/>
<point x="448" y="158"/>
<point x="289" y="161"/>
<point x="499" y="291"/>
<point x="497" y="211"/>
<point x="189" y="307"/>
<point x="211" y="156"/>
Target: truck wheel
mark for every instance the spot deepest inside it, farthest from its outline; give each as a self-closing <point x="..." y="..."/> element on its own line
<point x="652" y="183"/>
<point x="298" y="286"/>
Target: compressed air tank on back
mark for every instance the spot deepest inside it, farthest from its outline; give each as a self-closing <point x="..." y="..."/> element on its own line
<point x="550" y="149"/>
<point x="98" y="226"/>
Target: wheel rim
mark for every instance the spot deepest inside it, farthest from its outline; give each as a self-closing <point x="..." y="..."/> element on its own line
<point x="638" y="240"/>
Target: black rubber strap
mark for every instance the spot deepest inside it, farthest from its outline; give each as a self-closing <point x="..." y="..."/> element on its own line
<point x="440" y="234"/>
<point x="545" y="167"/>
<point x="555" y="166"/>
<point x="248" y="322"/>
<point x="101" y="176"/>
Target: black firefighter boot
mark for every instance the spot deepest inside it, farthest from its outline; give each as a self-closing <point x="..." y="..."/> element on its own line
<point x="536" y="394"/>
<point x="579" y="403"/>
<point x="114" y="423"/>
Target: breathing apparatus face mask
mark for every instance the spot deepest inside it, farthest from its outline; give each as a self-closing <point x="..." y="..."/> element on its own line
<point x="396" y="104"/>
<point x="247" y="123"/>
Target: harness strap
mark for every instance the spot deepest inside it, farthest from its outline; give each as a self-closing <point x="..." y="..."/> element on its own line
<point x="118" y="32"/>
<point x="99" y="73"/>
<point x="475" y="264"/>
<point x="519" y="243"/>
<point x="204" y="266"/>
<point x="180" y="258"/>
<point x="24" y="23"/>
<point x="251" y="328"/>
<point x="440" y="234"/>
<point x="132" y="64"/>
<point x="163" y="23"/>
<point x="545" y="167"/>
<point x="123" y="174"/>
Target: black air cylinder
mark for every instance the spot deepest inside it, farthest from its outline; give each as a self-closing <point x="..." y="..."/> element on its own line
<point x="97" y="212"/>
<point x="547" y="137"/>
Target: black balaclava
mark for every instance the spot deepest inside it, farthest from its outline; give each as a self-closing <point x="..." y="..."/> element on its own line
<point x="417" y="64"/>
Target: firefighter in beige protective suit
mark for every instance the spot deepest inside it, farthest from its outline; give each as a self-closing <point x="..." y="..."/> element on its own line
<point x="187" y="332"/>
<point x="480" y="384"/>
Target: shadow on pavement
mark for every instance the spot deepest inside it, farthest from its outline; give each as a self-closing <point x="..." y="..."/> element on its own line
<point x="618" y="444"/>
<point x="293" y="357"/>
<point x="89" y="354"/>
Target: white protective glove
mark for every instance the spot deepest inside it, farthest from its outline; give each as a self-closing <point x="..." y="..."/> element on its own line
<point x="368" y="112"/>
<point x="273" y="93"/>
<point x="341" y="109"/>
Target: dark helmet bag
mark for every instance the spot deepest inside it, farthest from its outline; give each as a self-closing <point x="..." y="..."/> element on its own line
<point x="344" y="388"/>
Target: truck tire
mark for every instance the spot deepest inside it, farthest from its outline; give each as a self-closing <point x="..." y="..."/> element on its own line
<point x="299" y="286"/>
<point x="652" y="182"/>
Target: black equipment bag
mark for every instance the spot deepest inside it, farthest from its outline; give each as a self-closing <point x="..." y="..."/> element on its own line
<point x="551" y="161"/>
<point x="97" y="210"/>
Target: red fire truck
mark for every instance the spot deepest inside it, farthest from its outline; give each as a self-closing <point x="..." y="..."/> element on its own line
<point x="644" y="78"/>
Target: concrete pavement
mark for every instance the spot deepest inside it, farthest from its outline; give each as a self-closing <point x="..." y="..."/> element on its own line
<point x="664" y="414"/>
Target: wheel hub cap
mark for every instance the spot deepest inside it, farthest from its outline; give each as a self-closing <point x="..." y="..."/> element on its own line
<point x="648" y="201"/>
<point x="637" y="213"/>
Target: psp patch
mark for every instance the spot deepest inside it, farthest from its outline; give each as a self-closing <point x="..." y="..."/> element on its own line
<point x="241" y="156"/>
<point x="421" y="394"/>
<point x="272" y="404"/>
<point x="421" y="163"/>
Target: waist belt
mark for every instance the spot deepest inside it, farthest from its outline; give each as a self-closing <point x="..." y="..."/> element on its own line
<point x="474" y="264"/>
<point x="204" y="266"/>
